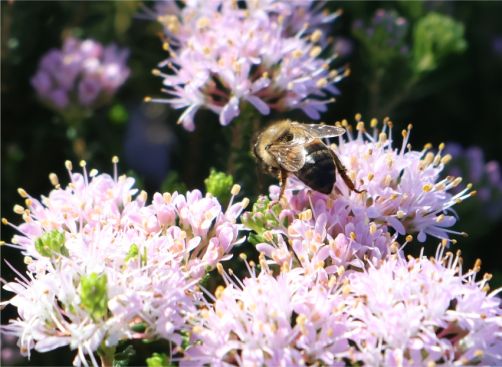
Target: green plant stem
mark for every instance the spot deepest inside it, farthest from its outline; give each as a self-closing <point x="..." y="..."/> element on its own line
<point x="107" y="355"/>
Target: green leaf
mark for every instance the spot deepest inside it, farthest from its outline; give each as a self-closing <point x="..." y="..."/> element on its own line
<point x="122" y="358"/>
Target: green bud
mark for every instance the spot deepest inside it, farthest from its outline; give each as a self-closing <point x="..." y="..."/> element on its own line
<point x="219" y="185"/>
<point x="139" y="327"/>
<point x="158" y="360"/>
<point x="263" y="217"/>
<point x="436" y="36"/>
<point x="93" y="295"/>
<point x="51" y="243"/>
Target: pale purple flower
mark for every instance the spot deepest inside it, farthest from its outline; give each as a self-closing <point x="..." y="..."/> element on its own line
<point x="422" y="311"/>
<point x="271" y="65"/>
<point x="269" y="321"/>
<point x="81" y="73"/>
<point x="151" y="256"/>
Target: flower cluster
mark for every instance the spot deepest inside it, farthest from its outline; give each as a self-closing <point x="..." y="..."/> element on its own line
<point x="82" y="74"/>
<point x="421" y="311"/>
<point x="270" y="321"/>
<point x="274" y="64"/>
<point x="104" y="266"/>
<point x="396" y="312"/>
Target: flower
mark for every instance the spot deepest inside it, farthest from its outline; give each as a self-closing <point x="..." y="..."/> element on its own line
<point x="103" y="265"/>
<point x="424" y="311"/>
<point x="83" y="73"/>
<point x="273" y="65"/>
<point x="267" y="320"/>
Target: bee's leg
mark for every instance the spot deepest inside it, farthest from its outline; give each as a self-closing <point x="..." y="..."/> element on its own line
<point x="283" y="178"/>
<point x="343" y="172"/>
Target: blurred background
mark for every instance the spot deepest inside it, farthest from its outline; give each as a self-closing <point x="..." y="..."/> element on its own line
<point x="436" y="64"/>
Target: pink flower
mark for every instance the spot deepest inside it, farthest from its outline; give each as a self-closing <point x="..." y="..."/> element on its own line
<point x="267" y="320"/>
<point x="421" y="311"/>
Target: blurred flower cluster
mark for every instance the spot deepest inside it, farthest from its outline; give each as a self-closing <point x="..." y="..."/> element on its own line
<point x="274" y="63"/>
<point x="104" y="266"/>
<point x="485" y="176"/>
<point x="82" y="75"/>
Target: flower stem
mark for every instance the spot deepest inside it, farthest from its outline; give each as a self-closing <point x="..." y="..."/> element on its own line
<point x="107" y="355"/>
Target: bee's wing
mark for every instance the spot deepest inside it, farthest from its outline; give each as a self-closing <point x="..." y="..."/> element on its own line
<point x="290" y="157"/>
<point x="322" y="131"/>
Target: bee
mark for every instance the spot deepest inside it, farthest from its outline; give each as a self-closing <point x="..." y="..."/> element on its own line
<point x="288" y="147"/>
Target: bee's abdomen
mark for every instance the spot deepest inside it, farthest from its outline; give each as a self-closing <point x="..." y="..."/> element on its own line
<point x="319" y="170"/>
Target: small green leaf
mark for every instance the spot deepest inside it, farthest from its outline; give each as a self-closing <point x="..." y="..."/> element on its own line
<point x="122" y="358"/>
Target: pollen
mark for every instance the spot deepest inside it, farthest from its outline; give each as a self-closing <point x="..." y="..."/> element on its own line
<point x="235" y="190"/>
<point x="68" y="165"/>
<point x="427" y="187"/>
<point x="245" y="203"/>
<point x="219" y="291"/>
<point x="18" y="209"/>
<point x="373" y="122"/>
<point x="446" y="159"/>
<point x="316" y="36"/>
<point x="316" y="51"/>
<point x="22" y="193"/>
<point x="297" y="53"/>
<point x="321" y="83"/>
<point x="202" y="23"/>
